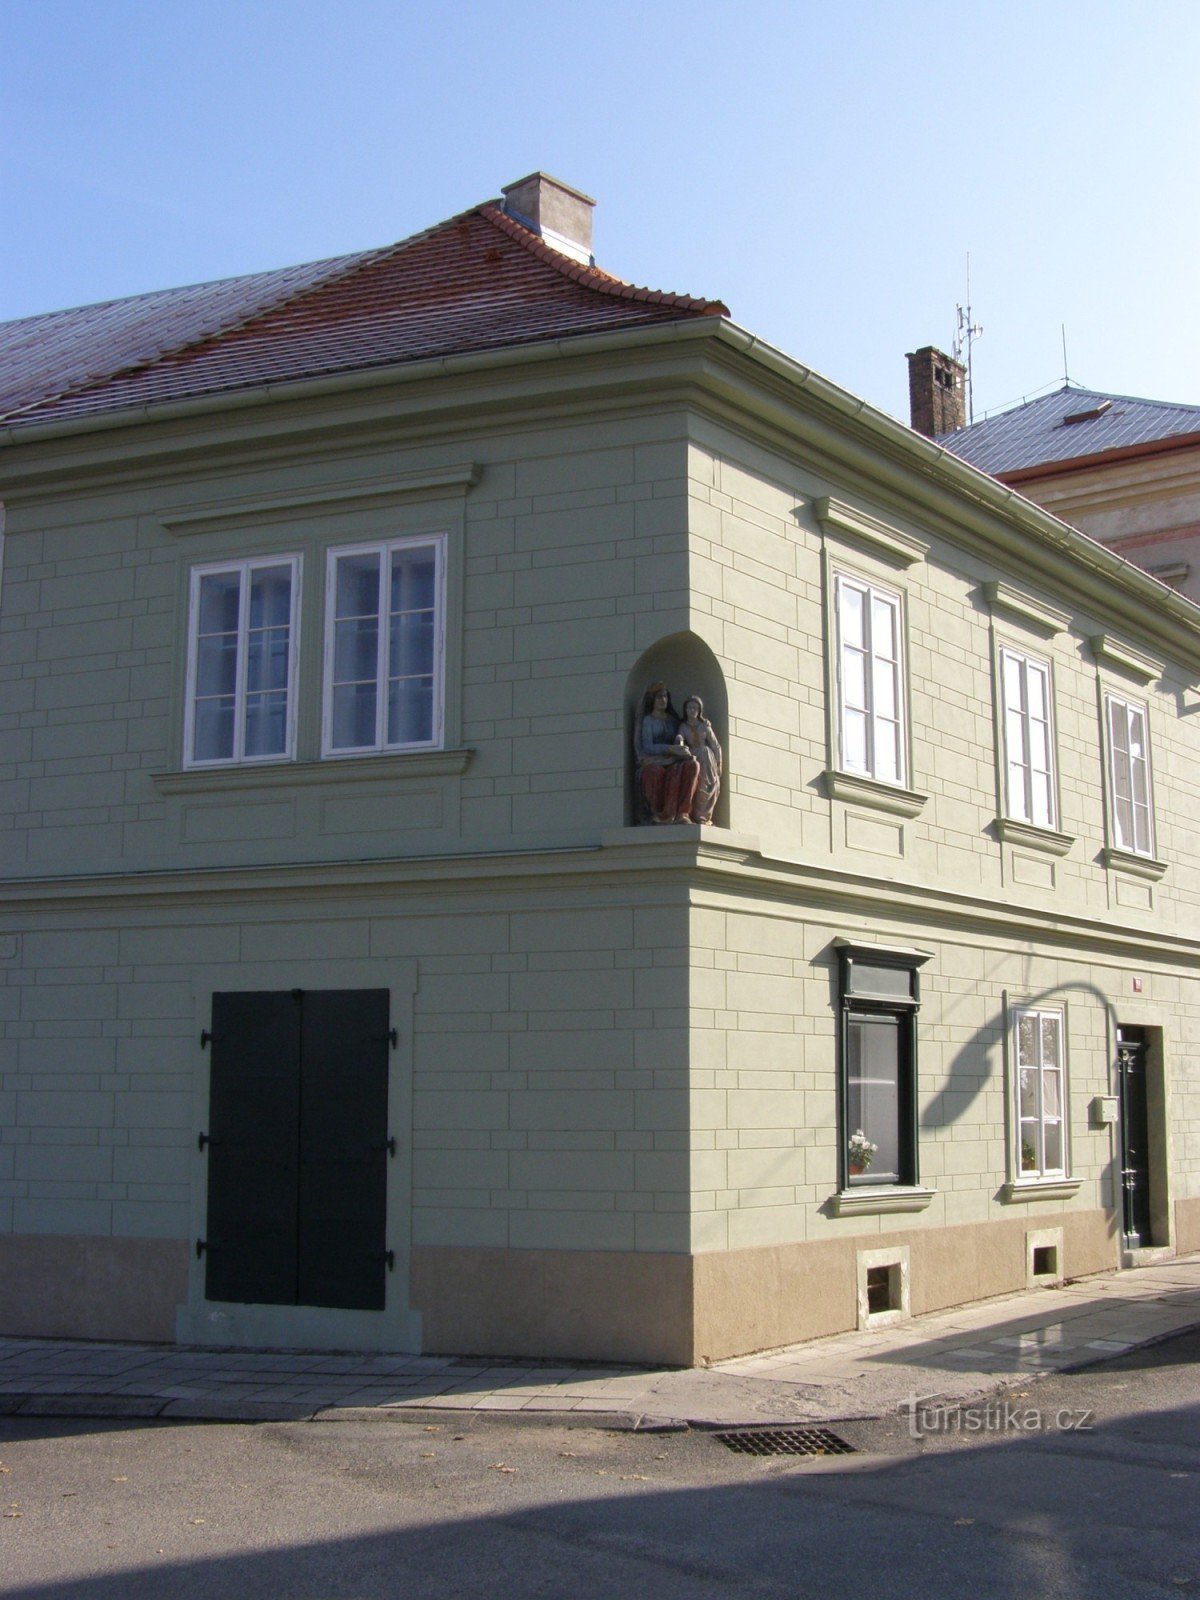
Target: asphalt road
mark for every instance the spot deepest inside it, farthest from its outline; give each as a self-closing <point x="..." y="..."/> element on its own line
<point x="1086" y="1485"/>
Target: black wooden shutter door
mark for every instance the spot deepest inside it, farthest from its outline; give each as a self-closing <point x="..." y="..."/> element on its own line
<point x="343" y="1155"/>
<point x="254" y="1129"/>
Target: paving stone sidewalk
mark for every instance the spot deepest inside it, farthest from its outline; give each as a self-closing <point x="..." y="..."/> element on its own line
<point x="951" y="1355"/>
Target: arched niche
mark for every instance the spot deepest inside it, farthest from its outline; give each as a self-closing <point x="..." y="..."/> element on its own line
<point x="687" y="666"/>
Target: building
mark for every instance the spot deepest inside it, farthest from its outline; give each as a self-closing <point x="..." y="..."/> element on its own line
<point x="1125" y="471"/>
<point x="343" y="999"/>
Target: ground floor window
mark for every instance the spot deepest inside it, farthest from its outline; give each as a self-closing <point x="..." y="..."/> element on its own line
<point x="878" y="1064"/>
<point x="1040" y="1092"/>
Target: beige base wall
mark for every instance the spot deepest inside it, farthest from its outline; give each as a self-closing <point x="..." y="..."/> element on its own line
<point x="680" y="1311"/>
<point x="594" y="1305"/>
<point x="55" y="1286"/>
<point x="1187" y="1226"/>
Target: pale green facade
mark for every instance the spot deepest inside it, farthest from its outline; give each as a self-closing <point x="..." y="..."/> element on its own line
<point x="615" y="1085"/>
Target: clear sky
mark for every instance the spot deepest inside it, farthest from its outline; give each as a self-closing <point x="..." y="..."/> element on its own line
<point x="824" y="168"/>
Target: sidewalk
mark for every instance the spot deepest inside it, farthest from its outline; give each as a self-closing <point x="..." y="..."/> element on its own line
<point x="953" y="1355"/>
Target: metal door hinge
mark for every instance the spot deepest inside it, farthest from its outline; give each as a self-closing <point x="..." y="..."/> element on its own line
<point x="201" y="1247"/>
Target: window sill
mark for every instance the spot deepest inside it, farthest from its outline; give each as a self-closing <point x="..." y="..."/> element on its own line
<point x="865" y="1201"/>
<point x="1137" y="866"/>
<point x="1042" y="1188"/>
<point x="1033" y="836"/>
<point x="855" y="790"/>
<point x="390" y="768"/>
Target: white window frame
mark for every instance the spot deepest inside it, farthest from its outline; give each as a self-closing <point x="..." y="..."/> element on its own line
<point x="1020" y="765"/>
<point x="1136" y="834"/>
<point x="872" y="661"/>
<point x="383" y="549"/>
<point x="1039" y="1171"/>
<point x="244" y="568"/>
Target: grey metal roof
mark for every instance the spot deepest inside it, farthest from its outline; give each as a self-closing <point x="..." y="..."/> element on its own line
<point x="1039" y="431"/>
<point x="47" y="356"/>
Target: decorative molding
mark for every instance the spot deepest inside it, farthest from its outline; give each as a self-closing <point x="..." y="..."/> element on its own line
<point x="436" y="480"/>
<point x="864" y="1201"/>
<point x="1003" y="597"/>
<point x="1136" y="866"/>
<point x="1113" y="653"/>
<point x="292" y="774"/>
<point x="901" y="549"/>
<point x="1033" y="837"/>
<point x="1041" y="1189"/>
<point x="853" y="789"/>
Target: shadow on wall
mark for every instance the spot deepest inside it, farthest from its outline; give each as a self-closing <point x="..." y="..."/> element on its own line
<point x="688" y="667"/>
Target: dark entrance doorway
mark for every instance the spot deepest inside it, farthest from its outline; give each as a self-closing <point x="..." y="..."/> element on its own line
<point x="1135" y="1136"/>
<point x="297" y="1139"/>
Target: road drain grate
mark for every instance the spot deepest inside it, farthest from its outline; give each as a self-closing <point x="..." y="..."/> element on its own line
<point x="786" y="1442"/>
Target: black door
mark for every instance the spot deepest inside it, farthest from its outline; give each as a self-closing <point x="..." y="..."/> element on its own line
<point x="297" y="1176"/>
<point x="1135" y="1136"/>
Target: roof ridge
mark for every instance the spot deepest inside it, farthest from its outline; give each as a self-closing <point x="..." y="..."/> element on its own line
<point x="592" y="277"/>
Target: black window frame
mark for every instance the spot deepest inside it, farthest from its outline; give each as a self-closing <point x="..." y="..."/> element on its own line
<point x="857" y="998"/>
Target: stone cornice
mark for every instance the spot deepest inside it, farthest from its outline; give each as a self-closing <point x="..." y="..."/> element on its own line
<point x="708" y="866"/>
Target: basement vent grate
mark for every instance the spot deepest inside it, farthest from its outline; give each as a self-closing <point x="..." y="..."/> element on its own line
<point x="786" y="1442"/>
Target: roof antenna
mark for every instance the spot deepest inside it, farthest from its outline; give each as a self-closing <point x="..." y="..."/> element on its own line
<point x="1066" y="369"/>
<point x="964" y="338"/>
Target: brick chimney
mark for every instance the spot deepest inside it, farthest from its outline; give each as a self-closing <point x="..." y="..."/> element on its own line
<point x="561" y="215"/>
<point x="937" y="392"/>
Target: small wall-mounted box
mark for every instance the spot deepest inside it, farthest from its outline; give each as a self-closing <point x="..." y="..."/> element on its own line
<point x="1103" y="1111"/>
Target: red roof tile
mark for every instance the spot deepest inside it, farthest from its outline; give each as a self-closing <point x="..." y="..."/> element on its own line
<point x="477" y="282"/>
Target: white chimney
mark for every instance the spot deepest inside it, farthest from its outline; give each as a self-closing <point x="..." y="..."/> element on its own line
<point x="560" y="215"/>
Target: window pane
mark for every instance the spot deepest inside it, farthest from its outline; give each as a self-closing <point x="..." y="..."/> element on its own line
<point x="873" y="1094"/>
<point x="1049" y="1040"/>
<point x="1038" y="692"/>
<point x="1014" y="697"/>
<point x="216" y="664"/>
<point x="1052" y="1095"/>
<point x="1028" y="1085"/>
<point x="267" y="660"/>
<point x="850" y="614"/>
<point x="270" y="597"/>
<point x="883" y="628"/>
<point x="887" y="751"/>
<point x="854" y="679"/>
<point x="883" y="688"/>
<point x="413" y="580"/>
<point x="266" y="724"/>
<point x="356" y="650"/>
<point x="354" y="716"/>
<point x="219" y="602"/>
<point x="410" y="711"/>
<point x="854" y="741"/>
<point x="1042" y="811"/>
<point x="358" y="585"/>
<point x="1052" y="1135"/>
<point x="411" y="646"/>
<point x="1027" y="1053"/>
<point x="213" y="733"/>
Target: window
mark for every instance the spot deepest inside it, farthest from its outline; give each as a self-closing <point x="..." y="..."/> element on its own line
<point x="877" y="1081"/>
<point x="1041" y="1094"/>
<point x="870" y="687"/>
<point x="1028" y="739"/>
<point x="241" y="662"/>
<point x="383" y="647"/>
<point x="1129" y="776"/>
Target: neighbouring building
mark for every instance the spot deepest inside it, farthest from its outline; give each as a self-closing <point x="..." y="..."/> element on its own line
<point x="1125" y="471"/>
<point x="348" y="999"/>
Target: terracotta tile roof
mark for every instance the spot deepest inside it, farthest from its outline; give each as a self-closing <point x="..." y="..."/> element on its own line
<point x="476" y="282"/>
<point x="1067" y="425"/>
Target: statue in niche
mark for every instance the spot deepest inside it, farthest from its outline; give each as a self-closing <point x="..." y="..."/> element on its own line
<point x="667" y="771"/>
<point x="696" y="732"/>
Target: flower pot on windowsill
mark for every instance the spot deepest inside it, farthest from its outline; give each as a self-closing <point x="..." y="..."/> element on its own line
<point x="857" y="1168"/>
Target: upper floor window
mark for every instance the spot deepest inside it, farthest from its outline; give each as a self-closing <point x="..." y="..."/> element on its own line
<point x="1028" y="739"/>
<point x="1129" y="775"/>
<point x="383" y="646"/>
<point x="241" y="661"/>
<point x="870" y="681"/>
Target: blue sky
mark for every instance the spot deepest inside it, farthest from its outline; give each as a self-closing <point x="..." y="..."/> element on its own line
<point x="823" y="168"/>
